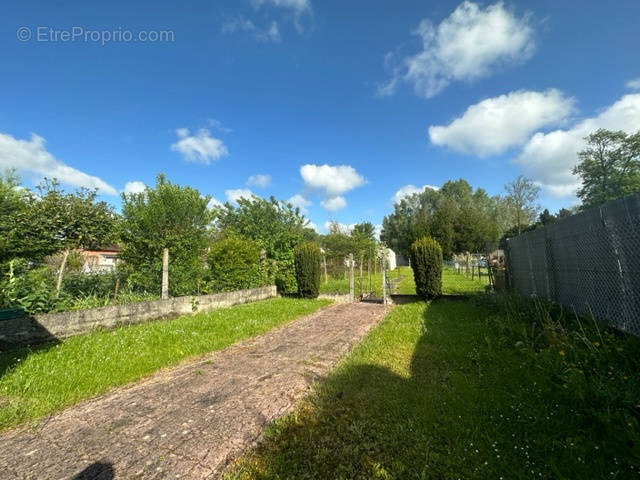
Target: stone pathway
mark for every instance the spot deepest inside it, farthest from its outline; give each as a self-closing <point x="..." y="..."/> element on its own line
<point x="189" y="421"/>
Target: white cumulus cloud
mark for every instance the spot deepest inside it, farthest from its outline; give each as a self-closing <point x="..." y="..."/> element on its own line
<point x="302" y="203"/>
<point x="134" y="187"/>
<point x="333" y="204"/>
<point x="297" y="5"/>
<point x="471" y="43"/>
<point x="32" y="156"/>
<point x="267" y="33"/>
<point x="408" y="190"/>
<point x="260" y="180"/>
<point x="343" y="227"/>
<point x="200" y="147"/>
<point x="493" y="125"/>
<point x="548" y="158"/>
<point x="333" y="180"/>
<point x="234" y="194"/>
<point x="634" y="84"/>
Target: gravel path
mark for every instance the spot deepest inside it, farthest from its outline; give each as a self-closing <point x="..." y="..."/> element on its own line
<point x="191" y="420"/>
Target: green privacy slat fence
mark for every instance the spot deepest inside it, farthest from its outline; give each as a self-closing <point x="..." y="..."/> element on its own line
<point x="589" y="262"/>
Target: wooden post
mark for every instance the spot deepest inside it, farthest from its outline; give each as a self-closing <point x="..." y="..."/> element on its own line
<point x="63" y="265"/>
<point x="324" y="265"/>
<point x="165" y="274"/>
<point x="115" y="291"/>
<point x="351" y="286"/>
<point x="383" y="267"/>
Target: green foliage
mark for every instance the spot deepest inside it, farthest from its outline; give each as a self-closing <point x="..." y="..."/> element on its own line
<point x="458" y="217"/>
<point x="426" y="262"/>
<point x="31" y="289"/>
<point x="307" y="260"/>
<point x="76" y="284"/>
<point x="521" y="198"/>
<point x="609" y="167"/>
<point x="235" y="264"/>
<point x="453" y="389"/>
<point x="166" y="216"/>
<point x="33" y="226"/>
<point x="276" y="227"/>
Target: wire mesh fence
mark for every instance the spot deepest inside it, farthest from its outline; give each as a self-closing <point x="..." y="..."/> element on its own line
<point x="589" y="262"/>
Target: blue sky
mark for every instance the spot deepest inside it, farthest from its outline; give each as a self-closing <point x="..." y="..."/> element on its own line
<point x="340" y="105"/>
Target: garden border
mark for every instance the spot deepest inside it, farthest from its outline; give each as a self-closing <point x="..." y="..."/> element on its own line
<point x="55" y="326"/>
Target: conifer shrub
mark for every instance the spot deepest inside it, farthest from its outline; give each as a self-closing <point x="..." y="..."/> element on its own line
<point x="426" y="262"/>
<point x="308" y="258"/>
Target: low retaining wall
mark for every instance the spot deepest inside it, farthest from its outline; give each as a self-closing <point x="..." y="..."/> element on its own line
<point x="52" y="326"/>
<point x="336" y="297"/>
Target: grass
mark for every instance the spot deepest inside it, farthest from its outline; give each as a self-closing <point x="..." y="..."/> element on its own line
<point x="478" y="387"/>
<point x="39" y="381"/>
<point x="452" y="283"/>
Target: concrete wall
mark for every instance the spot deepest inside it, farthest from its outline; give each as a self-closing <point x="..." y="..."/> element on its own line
<point x="55" y="326"/>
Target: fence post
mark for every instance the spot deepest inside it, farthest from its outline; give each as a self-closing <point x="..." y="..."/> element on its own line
<point x="351" y="286"/>
<point x="165" y="274"/>
<point x="383" y="266"/>
<point x="324" y="265"/>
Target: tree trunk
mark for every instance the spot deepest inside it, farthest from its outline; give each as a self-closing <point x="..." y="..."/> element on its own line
<point x="63" y="265"/>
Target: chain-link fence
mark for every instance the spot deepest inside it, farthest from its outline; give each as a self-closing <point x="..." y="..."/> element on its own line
<point x="589" y="262"/>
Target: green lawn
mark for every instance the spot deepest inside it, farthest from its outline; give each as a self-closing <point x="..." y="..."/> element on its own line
<point x="452" y="283"/>
<point x="466" y="388"/>
<point x="36" y="382"/>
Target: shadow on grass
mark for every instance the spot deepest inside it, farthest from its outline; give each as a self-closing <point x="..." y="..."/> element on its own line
<point x="365" y="421"/>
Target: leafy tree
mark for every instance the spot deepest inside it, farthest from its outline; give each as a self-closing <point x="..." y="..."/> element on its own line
<point x="166" y="216"/>
<point x="364" y="230"/>
<point x="14" y="204"/>
<point x="276" y="226"/>
<point x="546" y="218"/>
<point x="458" y="217"/>
<point x="609" y="167"/>
<point x="337" y="244"/>
<point x="564" y="213"/>
<point x="363" y="237"/>
<point x="522" y="195"/>
<point x="235" y="264"/>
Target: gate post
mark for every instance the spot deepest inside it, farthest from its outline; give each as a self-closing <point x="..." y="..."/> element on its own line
<point x="351" y="287"/>
<point x="384" y="279"/>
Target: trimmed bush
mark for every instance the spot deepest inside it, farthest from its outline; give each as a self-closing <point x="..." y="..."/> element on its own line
<point x="235" y="264"/>
<point x="426" y="262"/>
<point x="307" y="260"/>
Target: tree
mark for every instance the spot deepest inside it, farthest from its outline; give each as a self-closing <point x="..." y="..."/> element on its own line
<point x="166" y="216"/>
<point x="276" y="226"/>
<point x="522" y="195"/>
<point x="234" y="264"/>
<point x="14" y="204"/>
<point x="546" y="218"/>
<point x="457" y="217"/>
<point x="307" y="262"/>
<point x="426" y="262"/>
<point x="609" y="167"/>
<point x="363" y="236"/>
